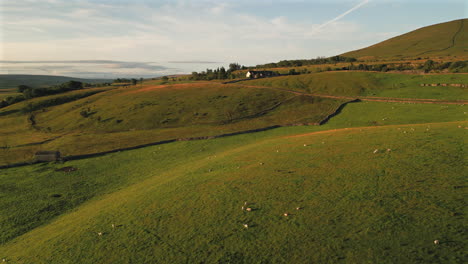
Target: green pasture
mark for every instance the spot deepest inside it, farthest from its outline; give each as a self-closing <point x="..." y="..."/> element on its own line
<point x="182" y="202"/>
<point x="372" y="84"/>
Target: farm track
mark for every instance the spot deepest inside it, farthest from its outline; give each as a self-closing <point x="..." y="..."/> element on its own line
<point x="367" y="98"/>
<point x="452" y="40"/>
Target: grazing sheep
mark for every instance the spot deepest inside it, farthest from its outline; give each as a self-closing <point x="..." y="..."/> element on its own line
<point x="277" y="151"/>
<point x="4" y="260"/>
<point x="113" y="226"/>
<point x="242" y="208"/>
<point x="246" y="226"/>
<point x="376" y="150"/>
<point x="248" y="209"/>
<point x="388" y="150"/>
<point x="286" y="214"/>
<point x="298" y="208"/>
<point x="99" y="233"/>
<point x="261" y="163"/>
<point x="305" y="145"/>
<point x="245" y="203"/>
<point x="436" y="242"/>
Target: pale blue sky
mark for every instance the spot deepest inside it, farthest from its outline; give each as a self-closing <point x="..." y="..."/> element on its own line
<point x="161" y="31"/>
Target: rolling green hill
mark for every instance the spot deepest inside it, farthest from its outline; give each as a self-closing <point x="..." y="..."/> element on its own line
<point x="181" y="202"/>
<point x="126" y="117"/>
<point x="445" y="39"/>
<point x="371" y="84"/>
<point x="9" y="81"/>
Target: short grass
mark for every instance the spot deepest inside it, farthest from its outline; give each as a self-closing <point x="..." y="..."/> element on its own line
<point x="137" y="115"/>
<point x="4" y="93"/>
<point x="372" y="84"/>
<point x="181" y="202"/>
<point x="445" y="39"/>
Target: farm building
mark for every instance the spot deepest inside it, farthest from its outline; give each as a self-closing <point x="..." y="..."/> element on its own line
<point x="42" y="156"/>
<point x="259" y="74"/>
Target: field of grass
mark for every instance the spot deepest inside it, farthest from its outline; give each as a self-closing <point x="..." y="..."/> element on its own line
<point x="181" y="202"/>
<point x="371" y="84"/>
<point x="445" y="39"/>
<point x="4" y="93"/>
<point x="132" y="116"/>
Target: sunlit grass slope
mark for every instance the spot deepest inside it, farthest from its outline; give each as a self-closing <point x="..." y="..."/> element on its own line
<point x="132" y="116"/>
<point x="445" y="39"/>
<point x="372" y="84"/>
<point x="182" y="202"/>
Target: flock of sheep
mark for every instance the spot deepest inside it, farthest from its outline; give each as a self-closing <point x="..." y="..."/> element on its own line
<point x="249" y="209"/>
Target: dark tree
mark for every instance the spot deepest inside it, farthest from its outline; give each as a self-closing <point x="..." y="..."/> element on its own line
<point x="23" y="87"/>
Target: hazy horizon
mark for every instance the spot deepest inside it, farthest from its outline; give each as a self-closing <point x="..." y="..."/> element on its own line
<point x="146" y="38"/>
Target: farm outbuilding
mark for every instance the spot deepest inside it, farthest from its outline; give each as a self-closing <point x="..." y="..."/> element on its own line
<point x="42" y="156"/>
<point x="260" y="74"/>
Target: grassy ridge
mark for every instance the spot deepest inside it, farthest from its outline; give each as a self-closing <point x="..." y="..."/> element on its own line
<point x="82" y="185"/>
<point x="134" y="116"/>
<point x="445" y="39"/>
<point x="386" y="207"/>
<point x="371" y="84"/>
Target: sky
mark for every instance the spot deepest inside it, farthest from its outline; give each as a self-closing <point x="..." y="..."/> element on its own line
<point x="149" y="38"/>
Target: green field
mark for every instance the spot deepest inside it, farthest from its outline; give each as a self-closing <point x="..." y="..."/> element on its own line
<point x="4" y="93"/>
<point x="446" y="39"/>
<point x="181" y="202"/>
<point x="132" y="116"/>
<point x="372" y="84"/>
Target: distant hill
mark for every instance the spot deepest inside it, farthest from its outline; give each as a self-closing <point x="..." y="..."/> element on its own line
<point x="8" y="81"/>
<point x="445" y="39"/>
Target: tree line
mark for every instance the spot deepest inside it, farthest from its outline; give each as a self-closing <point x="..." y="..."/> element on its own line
<point x="219" y="73"/>
<point x="305" y="62"/>
<point x="28" y="92"/>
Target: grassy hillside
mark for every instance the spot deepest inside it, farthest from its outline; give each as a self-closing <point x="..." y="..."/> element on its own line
<point x="9" y="81"/>
<point x="371" y="84"/>
<point x="181" y="202"/>
<point x="4" y="93"/>
<point x="445" y="39"/>
<point x="138" y="115"/>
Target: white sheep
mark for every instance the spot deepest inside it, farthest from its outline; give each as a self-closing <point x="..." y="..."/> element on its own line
<point x="246" y="226"/>
<point x="388" y="150"/>
<point x="286" y="214"/>
<point x="248" y="209"/>
<point x="113" y="225"/>
<point x="436" y="242"/>
<point x="305" y="145"/>
<point x="99" y="233"/>
<point x="376" y="150"/>
<point x="242" y="208"/>
<point x="298" y="208"/>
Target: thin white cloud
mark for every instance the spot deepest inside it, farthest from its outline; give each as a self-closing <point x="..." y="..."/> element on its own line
<point x="318" y="28"/>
